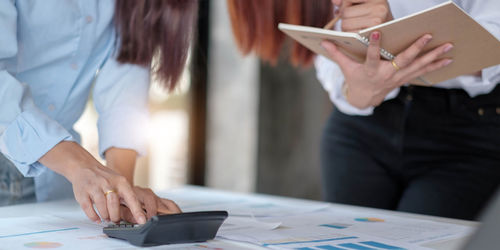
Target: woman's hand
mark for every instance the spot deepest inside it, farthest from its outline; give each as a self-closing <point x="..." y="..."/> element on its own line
<point x="151" y="203"/>
<point x="361" y="14"/>
<point x="123" y="162"/>
<point x="107" y="190"/>
<point x="368" y="83"/>
<point x="95" y="184"/>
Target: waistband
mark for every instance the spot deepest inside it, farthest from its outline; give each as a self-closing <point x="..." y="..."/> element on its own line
<point x="441" y="93"/>
<point x="451" y="99"/>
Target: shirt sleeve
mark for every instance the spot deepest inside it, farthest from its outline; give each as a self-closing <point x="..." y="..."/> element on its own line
<point x="26" y="133"/>
<point x="121" y="99"/>
<point x="332" y="79"/>
<point x="486" y="13"/>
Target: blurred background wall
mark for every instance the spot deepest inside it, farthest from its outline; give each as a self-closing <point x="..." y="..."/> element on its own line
<point x="235" y="123"/>
<point x="233" y="108"/>
<point x="293" y="110"/>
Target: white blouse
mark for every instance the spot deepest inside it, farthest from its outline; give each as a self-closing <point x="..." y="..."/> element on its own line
<point x="486" y="12"/>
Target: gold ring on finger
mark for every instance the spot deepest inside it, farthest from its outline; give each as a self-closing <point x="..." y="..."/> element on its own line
<point x="108" y="192"/>
<point x="395" y="65"/>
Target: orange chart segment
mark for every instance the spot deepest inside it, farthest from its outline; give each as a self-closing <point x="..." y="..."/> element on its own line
<point x="369" y="219"/>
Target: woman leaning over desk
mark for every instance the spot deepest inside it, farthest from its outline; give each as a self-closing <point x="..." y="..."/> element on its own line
<point x="431" y="150"/>
<point x="51" y="54"/>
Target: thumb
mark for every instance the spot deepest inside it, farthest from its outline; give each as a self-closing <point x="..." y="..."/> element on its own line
<point x="337" y="56"/>
<point x="337" y="2"/>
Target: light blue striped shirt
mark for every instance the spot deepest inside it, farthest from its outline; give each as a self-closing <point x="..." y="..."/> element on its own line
<point x="50" y="52"/>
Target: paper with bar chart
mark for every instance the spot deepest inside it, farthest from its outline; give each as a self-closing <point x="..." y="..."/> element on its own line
<point x="316" y="237"/>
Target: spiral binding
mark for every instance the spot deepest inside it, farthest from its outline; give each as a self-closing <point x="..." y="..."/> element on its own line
<point x="384" y="53"/>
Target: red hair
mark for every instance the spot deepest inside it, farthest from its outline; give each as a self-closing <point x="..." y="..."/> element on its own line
<point x="255" y="25"/>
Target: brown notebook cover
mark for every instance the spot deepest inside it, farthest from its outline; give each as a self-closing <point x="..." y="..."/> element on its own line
<point x="474" y="47"/>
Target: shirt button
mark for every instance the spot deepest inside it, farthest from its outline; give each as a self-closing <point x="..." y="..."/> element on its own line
<point x="52" y="107"/>
<point x="480" y="112"/>
<point x="89" y="19"/>
<point x="74" y="66"/>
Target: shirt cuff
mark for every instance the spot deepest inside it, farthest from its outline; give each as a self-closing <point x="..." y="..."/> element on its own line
<point x="123" y="129"/>
<point x="491" y="75"/>
<point x="28" y="138"/>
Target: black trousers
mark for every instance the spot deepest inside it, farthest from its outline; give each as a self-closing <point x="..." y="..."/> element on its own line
<point x="430" y="151"/>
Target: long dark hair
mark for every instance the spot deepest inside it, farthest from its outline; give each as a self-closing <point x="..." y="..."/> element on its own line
<point x="156" y="28"/>
<point x="255" y="25"/>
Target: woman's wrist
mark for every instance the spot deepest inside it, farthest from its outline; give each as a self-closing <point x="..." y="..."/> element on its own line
<point x="66" y="157"/>
<point x="353" y="98"/>
<point x="122" y="161"/>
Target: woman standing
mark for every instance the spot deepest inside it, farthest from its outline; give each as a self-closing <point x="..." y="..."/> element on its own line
<point x="431" y="150"/>
<point x="52" y="53"/>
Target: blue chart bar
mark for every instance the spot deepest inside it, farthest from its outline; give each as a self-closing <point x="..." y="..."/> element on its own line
<point x="356" y="246"/>
<point x="330" y="248"/>
<point x="380" y="245"/>
<point x="337" y="226"/>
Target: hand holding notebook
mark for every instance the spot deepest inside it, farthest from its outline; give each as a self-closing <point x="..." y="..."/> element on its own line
<point x="373" y="79"/>
<point x="474" y="47"/>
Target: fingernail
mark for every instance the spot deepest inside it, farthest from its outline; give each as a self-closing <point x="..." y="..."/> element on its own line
<point x="427" y="39"/>
<point x="142" y="220"/>
<point x="447" y="62"/>
<point x="375" y="36"/>
<point x="448" y="48"/>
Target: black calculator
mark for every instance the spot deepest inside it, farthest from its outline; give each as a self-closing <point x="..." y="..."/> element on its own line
<point x="170" y="229"/>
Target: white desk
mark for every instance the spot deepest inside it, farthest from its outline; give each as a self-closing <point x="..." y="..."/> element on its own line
<point x="70" y="205"/>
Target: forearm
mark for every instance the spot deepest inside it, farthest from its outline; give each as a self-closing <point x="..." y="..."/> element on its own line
<point x="65" y="157"/>
<point x="122" y="161"/>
